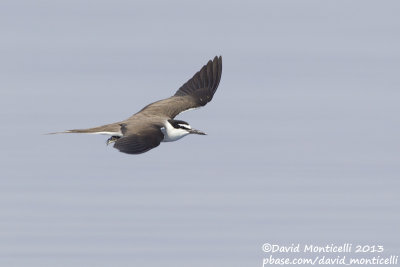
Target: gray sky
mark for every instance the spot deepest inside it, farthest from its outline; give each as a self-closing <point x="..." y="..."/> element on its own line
<point x="303" y="143"/>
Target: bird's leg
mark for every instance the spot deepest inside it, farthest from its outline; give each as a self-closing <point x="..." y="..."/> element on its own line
<point x="112" y="139"/>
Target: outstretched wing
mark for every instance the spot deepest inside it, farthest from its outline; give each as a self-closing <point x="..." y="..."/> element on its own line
<point x="206" y="80"/>
<point x="196" y="92"/>
<point x="139" y="142"/>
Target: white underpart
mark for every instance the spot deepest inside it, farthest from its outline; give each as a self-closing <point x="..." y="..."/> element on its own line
<point x="171" y="134"/>
<point x="108" y="133"/>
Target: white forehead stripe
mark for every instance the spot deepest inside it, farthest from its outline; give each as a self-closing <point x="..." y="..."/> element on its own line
<point x="185" y="125"/>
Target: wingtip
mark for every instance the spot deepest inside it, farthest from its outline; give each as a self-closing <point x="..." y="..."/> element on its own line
<point x="217" y="58"/>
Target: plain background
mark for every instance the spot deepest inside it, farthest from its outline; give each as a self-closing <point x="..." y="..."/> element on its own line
<point x="303" y="144"/>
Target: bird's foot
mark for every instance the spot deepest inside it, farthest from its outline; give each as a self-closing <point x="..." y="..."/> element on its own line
<point x="112" y="139"/>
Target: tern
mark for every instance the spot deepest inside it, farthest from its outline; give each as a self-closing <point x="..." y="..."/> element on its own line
<point x="155" y="123"/>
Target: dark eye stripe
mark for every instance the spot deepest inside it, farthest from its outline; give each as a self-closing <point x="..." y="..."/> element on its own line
<point x="179" y="124"/>
<point x="183" y="127"/>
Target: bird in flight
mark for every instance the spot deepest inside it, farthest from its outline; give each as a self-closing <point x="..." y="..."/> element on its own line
<point x="155" y="123"/>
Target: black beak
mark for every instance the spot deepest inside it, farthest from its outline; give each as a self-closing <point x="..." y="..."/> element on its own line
<point x="194" y="131"/>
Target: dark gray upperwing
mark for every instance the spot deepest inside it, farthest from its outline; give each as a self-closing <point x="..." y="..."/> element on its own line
<point x="139" y="142"/>
<point x="196" y="92"/>
<point x="207" y="80"/>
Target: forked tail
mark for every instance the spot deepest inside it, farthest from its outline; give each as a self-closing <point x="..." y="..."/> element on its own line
<point x="108" y="129"/>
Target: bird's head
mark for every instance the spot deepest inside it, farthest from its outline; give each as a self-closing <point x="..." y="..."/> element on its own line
<point x="184" y="126"/>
